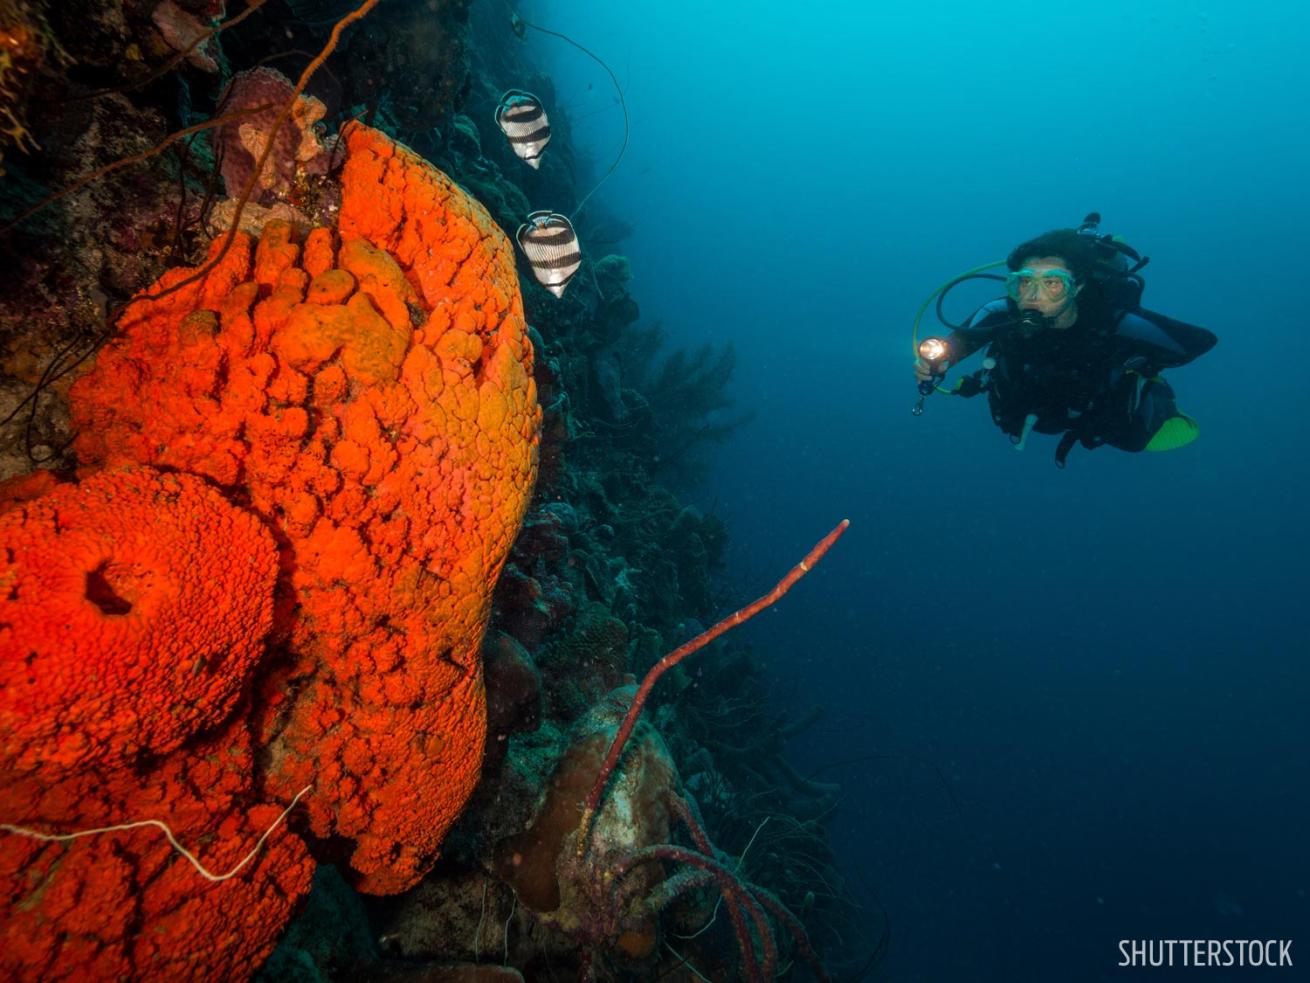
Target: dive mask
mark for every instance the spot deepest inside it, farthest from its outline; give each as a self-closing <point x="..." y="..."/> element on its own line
<point x="1053" y="284"/>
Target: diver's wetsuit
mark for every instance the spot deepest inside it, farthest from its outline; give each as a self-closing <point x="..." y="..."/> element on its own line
<point x="1097" y="382"/>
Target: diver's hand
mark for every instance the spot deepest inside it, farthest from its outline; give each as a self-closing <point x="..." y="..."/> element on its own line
<point x="922" y="373"/>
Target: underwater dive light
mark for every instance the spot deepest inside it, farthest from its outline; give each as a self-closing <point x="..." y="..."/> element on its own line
<point x="933" y="352"/>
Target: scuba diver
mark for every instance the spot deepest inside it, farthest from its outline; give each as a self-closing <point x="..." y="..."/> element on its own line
<point x="1069" y="350"/>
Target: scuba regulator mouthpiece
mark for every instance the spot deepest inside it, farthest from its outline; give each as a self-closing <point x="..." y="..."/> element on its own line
<point x="1031" y="321"/>
<point x="934" y="352"/>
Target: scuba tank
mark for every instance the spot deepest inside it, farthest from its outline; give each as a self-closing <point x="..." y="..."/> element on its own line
<point x="1118" y="265"/>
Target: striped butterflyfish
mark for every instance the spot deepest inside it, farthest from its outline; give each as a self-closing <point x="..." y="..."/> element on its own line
<point x="548" y="240"/>
<point x="522" y="119"/>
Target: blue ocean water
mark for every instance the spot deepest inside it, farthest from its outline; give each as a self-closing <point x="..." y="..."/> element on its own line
<point x="1068" y="708"/>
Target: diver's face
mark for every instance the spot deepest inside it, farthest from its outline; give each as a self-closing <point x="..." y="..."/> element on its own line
<point x="1046" y="294"/>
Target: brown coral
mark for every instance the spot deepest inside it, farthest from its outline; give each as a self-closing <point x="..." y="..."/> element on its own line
<point x="536" y="862"/>
<point x="298" y="152"/>
<point x="180" y="30"/>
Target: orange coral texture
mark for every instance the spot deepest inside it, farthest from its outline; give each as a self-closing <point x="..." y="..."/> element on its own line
<point x="133" y="610"/>
<point x="367" y="390"/>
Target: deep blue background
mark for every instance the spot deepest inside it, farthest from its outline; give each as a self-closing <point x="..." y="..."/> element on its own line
<point x="1107" y="663"/>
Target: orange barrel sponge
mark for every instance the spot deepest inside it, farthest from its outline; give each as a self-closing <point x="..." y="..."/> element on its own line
<point x="121" y="902"/>
<point x="133" y="607"/>
<point x="133" y="612"/>
<point x="367" y="388"/>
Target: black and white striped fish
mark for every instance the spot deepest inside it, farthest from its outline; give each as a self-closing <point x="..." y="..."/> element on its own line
<point x="548" y="240"/>
<point x="522" y="119"/>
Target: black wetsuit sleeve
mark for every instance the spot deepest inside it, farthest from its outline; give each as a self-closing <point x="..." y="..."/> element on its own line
<point x="1163" y="341"/>
<point x="978" y="331"/>
<point x="963" y="344"/>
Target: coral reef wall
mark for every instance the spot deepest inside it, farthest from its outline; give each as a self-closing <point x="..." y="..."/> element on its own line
<point x="318" y="499"/>
<point x="362" y="397"/>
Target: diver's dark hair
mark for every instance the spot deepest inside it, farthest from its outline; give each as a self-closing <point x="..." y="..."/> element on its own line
<point x="1071" y="247"/>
